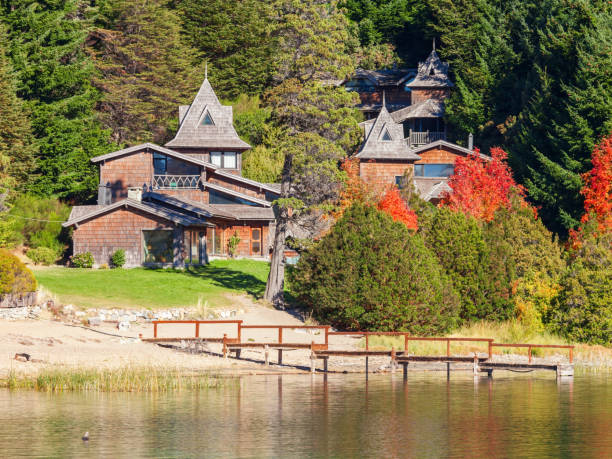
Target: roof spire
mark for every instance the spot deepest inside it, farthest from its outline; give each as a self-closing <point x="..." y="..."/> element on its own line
<point x="384" y="103"/>
<point x="206" y="70"/>
<point x="434" y="43"/>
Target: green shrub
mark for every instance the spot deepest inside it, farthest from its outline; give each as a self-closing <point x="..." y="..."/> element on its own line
<point x="483" y="282"/>
<point x="118" y="258"/>
<point x="232" y="244"/>
<point x="82" y="260"/>
<point x="15" y="277"/>
<point x="42" y="256"/>
<point x="583" y="308"/>
<point x="371" y="273"/>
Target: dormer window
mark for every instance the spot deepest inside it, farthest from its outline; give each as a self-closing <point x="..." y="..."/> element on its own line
<point x="224" y="159"/>
<point x="207" y="120"/>
<point x="432" y="72"/>
<point x="386" y="137"/>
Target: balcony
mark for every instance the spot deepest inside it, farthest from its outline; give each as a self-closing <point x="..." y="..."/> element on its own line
<point x="176" y="182"/>
<point x="423" y="138"/>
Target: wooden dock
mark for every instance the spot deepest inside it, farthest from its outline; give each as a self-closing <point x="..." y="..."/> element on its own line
<point x="484" y="362"/>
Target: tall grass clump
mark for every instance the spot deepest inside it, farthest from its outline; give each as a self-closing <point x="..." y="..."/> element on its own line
<point x="126" y="379"/>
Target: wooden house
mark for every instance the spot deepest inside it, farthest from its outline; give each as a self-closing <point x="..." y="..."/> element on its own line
<point x="181" y="203"/>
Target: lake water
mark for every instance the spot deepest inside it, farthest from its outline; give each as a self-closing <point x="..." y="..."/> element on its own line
<point x="531" y="416"/>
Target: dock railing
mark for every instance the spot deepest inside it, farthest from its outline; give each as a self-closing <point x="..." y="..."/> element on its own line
<point x="539" y="346"/>
<point x="197" y="324"/>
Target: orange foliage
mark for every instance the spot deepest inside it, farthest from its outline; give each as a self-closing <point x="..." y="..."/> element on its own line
<point x="393" y="204"/>
<point x="481" y="186"/>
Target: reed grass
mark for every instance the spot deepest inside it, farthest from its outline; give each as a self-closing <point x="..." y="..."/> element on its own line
<point x="125" y="379"/>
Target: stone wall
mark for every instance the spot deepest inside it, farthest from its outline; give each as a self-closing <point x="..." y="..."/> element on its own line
<point x="18" y="300"/>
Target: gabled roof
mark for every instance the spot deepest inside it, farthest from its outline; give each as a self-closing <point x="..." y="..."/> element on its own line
<point x="245" y="212"/>
<point x="153" y="147"/>
<point x="220" y="134"/>
<point x="387" y="77"/>
<point x="451" y="146"/>
<point x="430" y="108"/>
<point x="77" y="216"/>
<point x="433" y="73"/>
<point x="246" y="197"/>
<point x="271" y="187"/>
<point x="375" y="147"/>
<point x="187" y="205"/>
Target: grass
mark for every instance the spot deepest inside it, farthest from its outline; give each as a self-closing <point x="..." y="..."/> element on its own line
<point x="127" y="379"/>
<point x="156" y="288"/>
<point x="501" y="332"/>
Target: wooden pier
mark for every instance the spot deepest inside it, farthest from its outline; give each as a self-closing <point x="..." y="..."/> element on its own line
<point x="481" y="362"/>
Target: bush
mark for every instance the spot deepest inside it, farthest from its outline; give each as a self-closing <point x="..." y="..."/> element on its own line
<point x="42" y="255"/>
<point x="371" y="273"/>
<point x="118" y="258"/>
<point x="82" y="260"/>
<point x="583" y="308"/>
<point x="15" y="277"/>
<point x="232" y="244"/>
<point x="482" y="282"/>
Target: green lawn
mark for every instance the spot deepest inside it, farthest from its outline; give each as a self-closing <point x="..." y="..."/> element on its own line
<point x="156" y="288"/>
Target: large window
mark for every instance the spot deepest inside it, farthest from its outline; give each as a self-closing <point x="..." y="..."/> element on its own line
<point x="433" y="170"/>
<point x="224" y="159"/>
<point x="215" y="241"/>
<point x="160" y="164"/>
<point x="158" y="246"/>
<point x="360" y="85"/>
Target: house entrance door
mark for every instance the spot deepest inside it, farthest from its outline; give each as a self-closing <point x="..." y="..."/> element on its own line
<point x="256" y="242"/>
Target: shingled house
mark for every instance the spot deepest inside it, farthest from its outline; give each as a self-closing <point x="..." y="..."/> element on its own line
<point x="413" y="137"/>
<point x="181" y="203"/>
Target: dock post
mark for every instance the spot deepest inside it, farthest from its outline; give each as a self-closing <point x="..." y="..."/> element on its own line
<point x="392" y="360"/>
<point x="312" y="358"/>
<point x="475" y="364"/>
<point x="224" y="345"/>
<point x="367" y="367"/>
<point x="447" y="370"/>
<point x="154" y="329"/>
<point x="405" y="365"/>
<point x="325" y="365"/>
<point x="267" y="355"/>
<point x="280" y="356"/>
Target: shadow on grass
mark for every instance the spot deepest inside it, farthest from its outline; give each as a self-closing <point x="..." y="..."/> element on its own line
<point x="228" y="278"/>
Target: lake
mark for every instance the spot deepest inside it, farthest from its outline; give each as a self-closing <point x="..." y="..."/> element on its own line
<point x="526" y="416"/>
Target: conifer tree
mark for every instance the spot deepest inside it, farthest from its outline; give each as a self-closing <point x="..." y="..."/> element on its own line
<point x="146" y="70"/>
<point x="235" y="38"/>
<point x="320" y="122"/>
<point x="54" y="79"/>
<point x="16" y="141"/>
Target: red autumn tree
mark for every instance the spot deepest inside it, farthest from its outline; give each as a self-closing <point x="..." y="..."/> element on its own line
<point x="392" y="203"/>
<point x="481" y="186"/>
<point x="597" y="190"/>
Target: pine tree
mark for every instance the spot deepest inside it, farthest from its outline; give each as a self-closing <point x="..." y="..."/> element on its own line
<point x="319" y="120"/>
<point x="235" y="38"/>
<point x="54" y="79"/>
<point x="146" y="70"/>
<point x="16" y="140"/>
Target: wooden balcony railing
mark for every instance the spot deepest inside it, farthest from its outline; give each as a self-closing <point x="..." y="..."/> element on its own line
<point x="423" y="138"/>
<point x="171" y="182"/>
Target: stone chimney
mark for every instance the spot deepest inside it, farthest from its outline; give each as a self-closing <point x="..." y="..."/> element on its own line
<point x="470" y="141"/>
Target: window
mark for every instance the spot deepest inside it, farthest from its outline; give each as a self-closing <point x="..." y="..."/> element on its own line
<point x="207" y="120"/>
<point x="255" y="241"/>
<point x="433" y="170"/>
<point x="158" y="246"/>
<point x="215" y="241"/>
<point x="224" y="159"/>
<point x="216" y="197"/>
<point x="360" y="85"/>
<point x="386" y="137"/>
<point x="192" y="244"/>
<point x="399" y="181"/>
<point x="160" y="164"/>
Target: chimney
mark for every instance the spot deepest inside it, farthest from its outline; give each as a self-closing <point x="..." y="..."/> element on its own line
<point x="135" y="194"/>
<point x="104" y="195"/>
<point x="471" y="141"/>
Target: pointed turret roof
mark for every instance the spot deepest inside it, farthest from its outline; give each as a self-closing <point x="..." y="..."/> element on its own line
<point x="385" y="140"/>
<point x="207" y="124"/>
<point x="433" y="73"/>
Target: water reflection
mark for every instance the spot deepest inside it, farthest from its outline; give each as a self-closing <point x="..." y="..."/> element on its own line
<point x="316" y="416"/>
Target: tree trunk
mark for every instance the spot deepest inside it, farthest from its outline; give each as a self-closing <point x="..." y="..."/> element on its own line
<point x="276" y="278"/>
